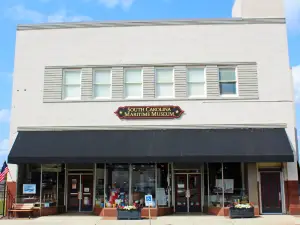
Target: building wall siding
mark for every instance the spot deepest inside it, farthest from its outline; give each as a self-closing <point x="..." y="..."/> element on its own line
<point x="180" y="82"/>
<point x="149" y="82"/>
<point x="247" y="81"/>
<point x="212" y="81"/>
<point x="117" y="82"/>
<point x="246" y="76"/>
<point x="86" y="84"/>
<point x="52" y="84"/>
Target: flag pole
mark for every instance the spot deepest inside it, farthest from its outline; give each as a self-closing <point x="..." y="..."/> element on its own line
<point x="5" y="196"/>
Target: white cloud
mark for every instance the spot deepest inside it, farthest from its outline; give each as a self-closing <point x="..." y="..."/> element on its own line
<point x="62" y="16"/>
<point x="125" y="4"/>
<point x="296" y="77"/>
<point x="4" y="115"/>
<point x="21" y="13"/>
<point x="292" y="8"/>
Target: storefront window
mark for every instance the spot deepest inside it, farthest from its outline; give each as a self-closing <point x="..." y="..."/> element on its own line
<point x="234" y="190"/>
<point x="49" y="189"/>
<point x="233" y="184"/>
<point x="206" y="187"/>
<point x="117" y="185"/>
<point x="31" y="190"/>
<point x="143" y="182"/>
<point x="215" y="197"/>
<point x="162" y="184"/>
<point x="99" y="186"/>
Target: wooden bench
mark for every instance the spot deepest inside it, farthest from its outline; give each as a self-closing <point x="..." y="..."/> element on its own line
<point x="21" y="207"/>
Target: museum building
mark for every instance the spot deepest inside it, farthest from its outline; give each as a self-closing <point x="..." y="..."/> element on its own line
<point x="198" y="113"/>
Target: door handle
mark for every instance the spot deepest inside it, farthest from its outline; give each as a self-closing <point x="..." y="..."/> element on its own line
<point x="187" y="193"/>
<point x="279" y="194"/>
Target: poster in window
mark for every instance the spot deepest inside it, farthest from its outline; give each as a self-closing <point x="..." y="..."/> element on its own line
<point x="228" y="185"/>
<point x="29" y="188"/>
<point x="74" y="183"/>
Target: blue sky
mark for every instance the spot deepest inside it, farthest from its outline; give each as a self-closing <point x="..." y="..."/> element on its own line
<point x="15" y="12"/>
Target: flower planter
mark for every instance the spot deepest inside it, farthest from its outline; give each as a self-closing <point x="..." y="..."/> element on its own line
<point x="129" y="214"/>
<point x="241" y="212"/>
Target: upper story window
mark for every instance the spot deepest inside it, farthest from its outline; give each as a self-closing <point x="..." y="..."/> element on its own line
<point x="102" y="83"/>
<point x="196" y="82"/>
<point x="71" y="84"/>
<point x="164" y="83"/>
<point x="133" y="83"/>
<point x="228" y="81"/>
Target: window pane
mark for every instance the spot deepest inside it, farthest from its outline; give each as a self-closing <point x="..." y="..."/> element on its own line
<point x="102" y="77"/>
<point x="117" y="185"/>
<point x="226" y="74"/>
<point x="102" y="91"/>
<point x="228" y="88"/>
<point x="164" y="90"/>
<point x="143" y="182"/>
<point x="72" y="92"/>
<point x="133" y="76"/>
<point x="133" y="90"/>
<point x="162" y="184"/>
<point x="72" y="77"/>
<point x="195" y="75"/>
<point x="164" y="75"/>
<point x="196" y="89"/>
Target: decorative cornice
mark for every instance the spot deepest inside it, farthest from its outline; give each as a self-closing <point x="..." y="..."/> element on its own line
<point x="153" y="64"/>
<point x="150" y="127"/>
<point x="96" y="24"/>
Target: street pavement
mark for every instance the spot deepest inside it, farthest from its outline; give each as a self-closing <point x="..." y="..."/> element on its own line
<point x="166" y="220"/>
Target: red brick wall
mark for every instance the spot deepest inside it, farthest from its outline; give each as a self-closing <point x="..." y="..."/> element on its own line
<point x="155" y="212"/>
<point x="11" y="194"/>
<point x="292" y="197"/>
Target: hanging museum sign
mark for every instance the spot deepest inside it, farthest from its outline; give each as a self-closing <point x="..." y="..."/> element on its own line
<point x="149" y="112"/>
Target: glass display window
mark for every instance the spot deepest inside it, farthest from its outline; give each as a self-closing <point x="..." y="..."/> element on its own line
<point x="143" y="182"/>
<point x="117" y="185"/>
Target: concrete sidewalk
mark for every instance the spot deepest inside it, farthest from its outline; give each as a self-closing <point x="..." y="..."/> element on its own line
<point x="166" y="220"/>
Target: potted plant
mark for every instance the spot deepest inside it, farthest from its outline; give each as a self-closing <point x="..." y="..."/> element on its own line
<point x="132" y="212"/>
<point x="238" y="210"/>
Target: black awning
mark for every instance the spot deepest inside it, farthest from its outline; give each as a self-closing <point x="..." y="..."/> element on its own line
<point x="141" y="146"/>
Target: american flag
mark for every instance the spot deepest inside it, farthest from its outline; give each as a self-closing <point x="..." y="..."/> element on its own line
<point x="4" y="171"/>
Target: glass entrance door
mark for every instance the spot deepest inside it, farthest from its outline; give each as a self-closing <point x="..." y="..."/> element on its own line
<point x="87" y="193"/>
<point x="80" y="189"/>
<point x="188" y="192"/>
<point x="194" y="184"/>
<point x="181" y="204"/>
<point x="74" y="192"/>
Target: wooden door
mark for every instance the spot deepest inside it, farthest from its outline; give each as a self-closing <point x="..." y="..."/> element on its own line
<point x="271" y="196"/>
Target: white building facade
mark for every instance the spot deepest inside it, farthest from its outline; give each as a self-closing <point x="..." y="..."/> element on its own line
<point x="228" y="76"/>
